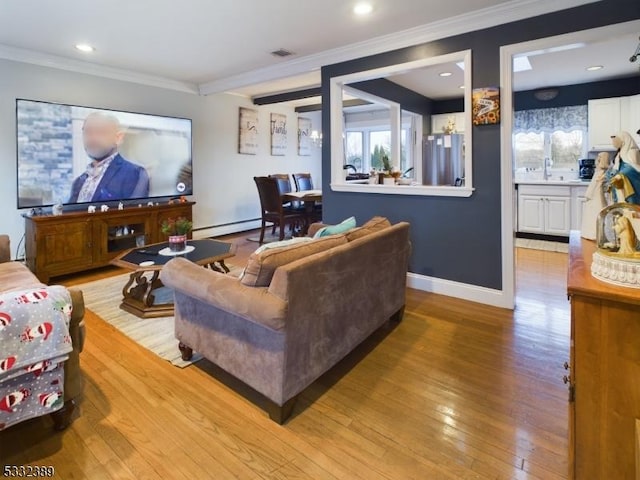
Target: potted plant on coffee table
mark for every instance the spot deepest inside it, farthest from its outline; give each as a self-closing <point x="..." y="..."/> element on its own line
<point x="177" y="230"/>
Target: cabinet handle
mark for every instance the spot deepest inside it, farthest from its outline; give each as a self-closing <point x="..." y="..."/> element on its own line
<point x="566" y="379"/>
<point x="566" y="365"/>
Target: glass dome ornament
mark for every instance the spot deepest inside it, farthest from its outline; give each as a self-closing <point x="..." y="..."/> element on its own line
<point x="617" y="258"/>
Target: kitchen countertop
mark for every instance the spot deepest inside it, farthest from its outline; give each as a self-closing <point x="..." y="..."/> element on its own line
<point x="577" y="183"/>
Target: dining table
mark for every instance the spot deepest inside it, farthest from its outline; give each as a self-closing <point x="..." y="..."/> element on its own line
<point x="309" y="199"/>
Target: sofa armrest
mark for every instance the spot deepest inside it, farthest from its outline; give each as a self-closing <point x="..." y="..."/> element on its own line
<point x="224" y="292"/>
<point x="76" y="326"/>
<point x="5" y="249"/>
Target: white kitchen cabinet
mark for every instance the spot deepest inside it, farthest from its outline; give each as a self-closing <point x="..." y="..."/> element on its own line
<point x="608" y="116"/>
<point x="604" y="121"/>
<point x="544" y="210"/>
<point x="439" y="121"/>
<point x="630" y="116"/>
<point x="530" y="214"/>
<point x="557" y="215"/>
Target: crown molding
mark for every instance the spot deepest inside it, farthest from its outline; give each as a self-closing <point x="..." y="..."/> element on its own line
<point x="469" y="22"/>
<point x="79" y="66"/>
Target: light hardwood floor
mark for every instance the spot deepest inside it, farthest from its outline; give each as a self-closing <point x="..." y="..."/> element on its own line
<point x="456" y="391"/>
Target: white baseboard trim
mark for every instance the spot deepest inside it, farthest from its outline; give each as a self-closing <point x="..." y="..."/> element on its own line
<point x="226" y="229"/>
<point x="465" y="291"/>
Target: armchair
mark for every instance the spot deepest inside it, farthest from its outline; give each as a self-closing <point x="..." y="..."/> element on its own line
<point x="16" y="276"/>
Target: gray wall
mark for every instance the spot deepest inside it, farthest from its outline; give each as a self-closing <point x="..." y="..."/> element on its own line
<point x="458" y="239"/>
<point x="224" y="189"/>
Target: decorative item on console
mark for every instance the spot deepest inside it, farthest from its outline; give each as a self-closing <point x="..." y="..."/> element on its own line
<point x="595" y="197"/>
<point x="617" y="258"/>
<point x="624" y="176"/>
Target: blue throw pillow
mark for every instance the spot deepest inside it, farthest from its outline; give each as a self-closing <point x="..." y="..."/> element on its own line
<point x="342" y="227"/>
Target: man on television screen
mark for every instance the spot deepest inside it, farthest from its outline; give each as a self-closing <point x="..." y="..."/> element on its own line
<point x="109" y="176"/>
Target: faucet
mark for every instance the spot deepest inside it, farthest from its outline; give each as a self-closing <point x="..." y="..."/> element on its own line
<point x="546" y="174"/>
<point x="348" y="166"/>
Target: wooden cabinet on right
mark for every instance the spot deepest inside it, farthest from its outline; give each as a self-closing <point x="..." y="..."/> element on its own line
<point x="604" y="373"/>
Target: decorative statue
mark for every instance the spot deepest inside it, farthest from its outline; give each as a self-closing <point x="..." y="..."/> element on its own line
<point x="595" y="199"/>
<point x="624" y="176"/>
<point x="626" y="236"/>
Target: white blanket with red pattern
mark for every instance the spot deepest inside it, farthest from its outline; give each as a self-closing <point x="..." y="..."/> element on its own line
<point x="34" y="344"/>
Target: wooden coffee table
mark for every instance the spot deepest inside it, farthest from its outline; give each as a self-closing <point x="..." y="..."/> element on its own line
<point x="140" y="292"/>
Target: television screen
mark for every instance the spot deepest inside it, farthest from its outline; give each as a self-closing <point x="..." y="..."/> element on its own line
<point x="69" y="154"/>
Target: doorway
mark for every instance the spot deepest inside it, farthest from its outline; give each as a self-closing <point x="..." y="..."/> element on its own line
<point x="573" y="44"/>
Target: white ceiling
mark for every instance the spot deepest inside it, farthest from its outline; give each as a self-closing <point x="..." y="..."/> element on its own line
<point x="610" y="47"/>
<point x="223" y="45"/>
<point x="428" y="82"/>
<point x="199" y="41"/>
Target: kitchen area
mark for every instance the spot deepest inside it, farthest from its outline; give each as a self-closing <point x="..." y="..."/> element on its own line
<point x="569" y="100"/>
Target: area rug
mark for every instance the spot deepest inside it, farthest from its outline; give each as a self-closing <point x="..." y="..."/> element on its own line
<point x="103" y="298"/>
<point x="268" y="238"/>
<point x="542" y="245"/>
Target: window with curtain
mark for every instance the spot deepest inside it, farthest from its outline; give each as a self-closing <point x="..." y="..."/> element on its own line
<point x="558" y="134"/>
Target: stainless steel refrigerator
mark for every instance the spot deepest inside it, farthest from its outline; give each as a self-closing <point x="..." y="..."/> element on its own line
<point x="443" y="159"/>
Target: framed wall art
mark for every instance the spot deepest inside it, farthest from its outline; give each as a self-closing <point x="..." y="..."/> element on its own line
<point x="485" y="103"/>
<point x="278" y="134"/>
<point x="304" y="136"/>
<point x="248" y="131"/>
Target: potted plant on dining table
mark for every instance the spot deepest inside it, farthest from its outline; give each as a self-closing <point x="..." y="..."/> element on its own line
<point x="177" y="229"/>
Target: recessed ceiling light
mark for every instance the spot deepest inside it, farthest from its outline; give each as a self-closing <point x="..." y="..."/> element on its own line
<point x="461" y="86"/>
<point x="83" y="47"/>
<point x="446" y="74"/>
<point x="363" y="8"/>
<point x="593" y="68"/>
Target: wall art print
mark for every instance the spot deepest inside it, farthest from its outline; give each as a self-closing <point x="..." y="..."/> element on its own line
<point x="248" y="131"/>
<point x="304" y="137"/>
<point x="485" y="104"/>
<point x="278" y="134"/>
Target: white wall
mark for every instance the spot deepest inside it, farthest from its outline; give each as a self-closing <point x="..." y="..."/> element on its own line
<point x="223" y="179"/>
<point x="225" y="191"/>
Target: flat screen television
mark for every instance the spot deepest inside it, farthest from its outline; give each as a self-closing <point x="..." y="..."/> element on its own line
<point x="73" y="155"/>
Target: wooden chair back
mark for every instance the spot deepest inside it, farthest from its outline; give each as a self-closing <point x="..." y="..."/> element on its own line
<point x="270" y="199"/>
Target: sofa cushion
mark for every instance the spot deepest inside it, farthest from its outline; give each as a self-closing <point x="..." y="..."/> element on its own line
<point x="373" y="225"/>
<point x="341" y="227"/>
<point x="263" y="265"/>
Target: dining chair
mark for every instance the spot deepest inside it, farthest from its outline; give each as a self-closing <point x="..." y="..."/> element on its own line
<point x="302" y="181"/>
<point x="284" y="183"/>
<point x="272" y="209"/>
<point x="284" y="186"/>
